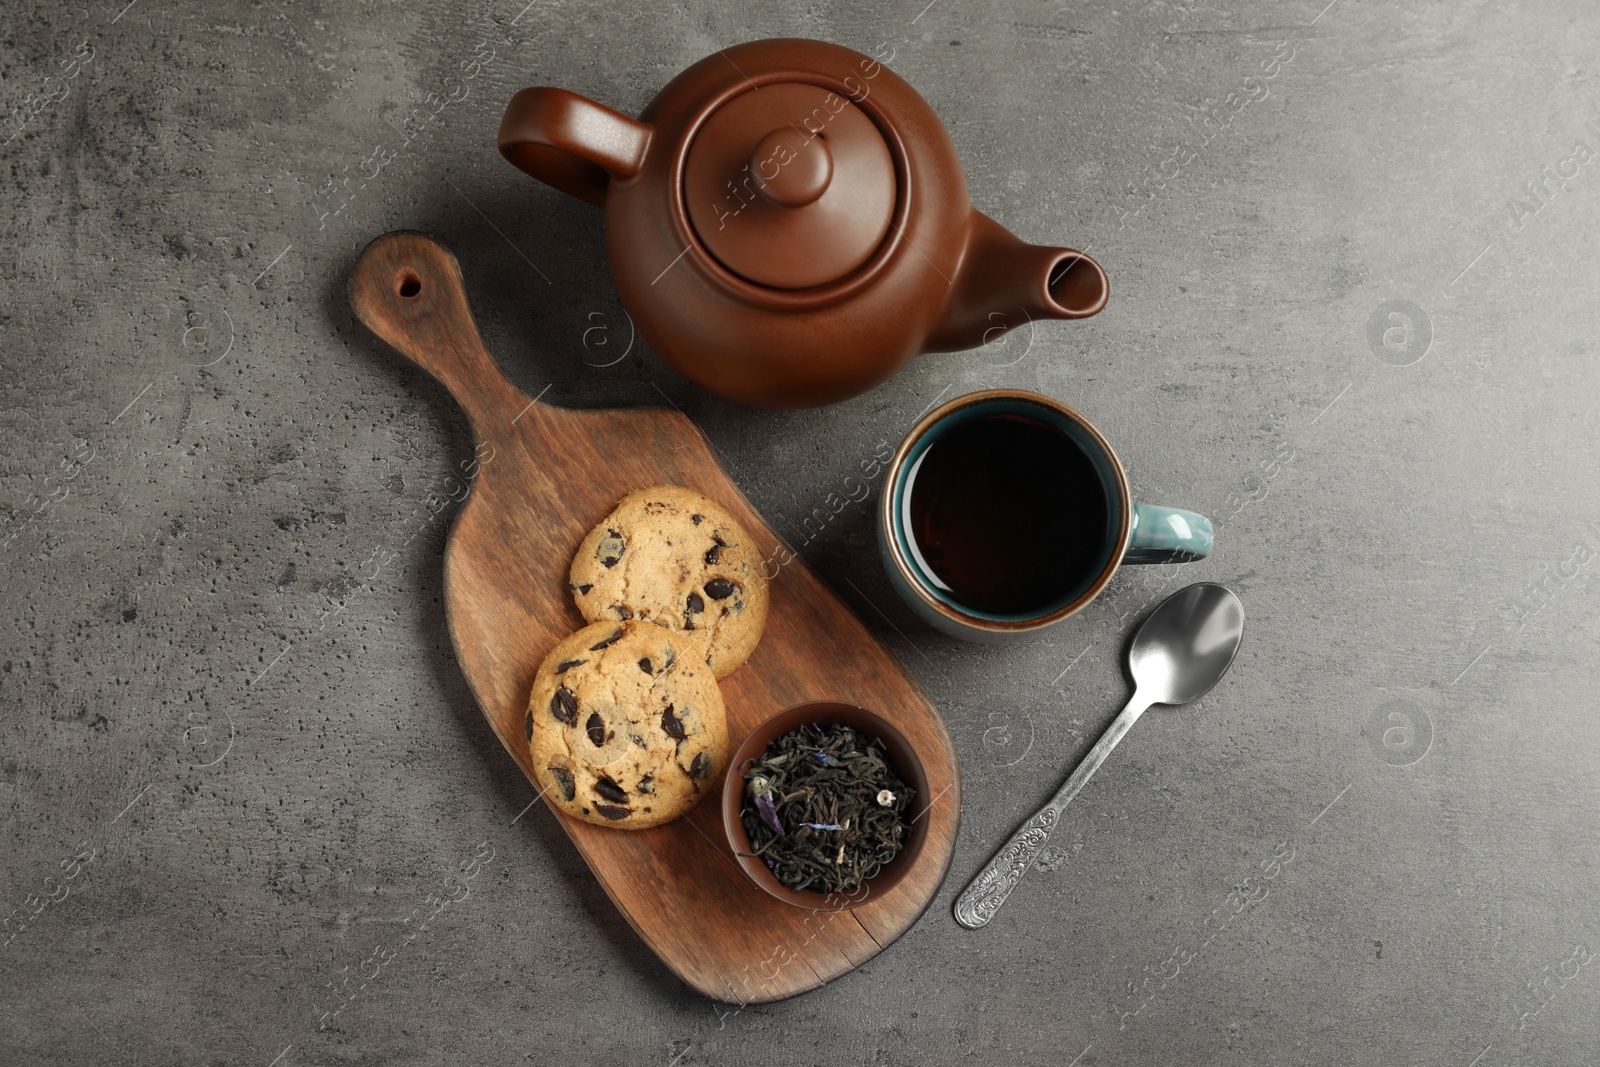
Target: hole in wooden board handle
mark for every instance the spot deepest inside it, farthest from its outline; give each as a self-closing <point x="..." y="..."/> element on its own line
<point x="407" y="288"/>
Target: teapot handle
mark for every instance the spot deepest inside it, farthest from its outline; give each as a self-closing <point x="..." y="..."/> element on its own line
<point x="570" y="142"/>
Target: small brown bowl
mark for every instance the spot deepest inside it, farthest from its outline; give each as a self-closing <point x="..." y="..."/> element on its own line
<point x="901" y="756"/>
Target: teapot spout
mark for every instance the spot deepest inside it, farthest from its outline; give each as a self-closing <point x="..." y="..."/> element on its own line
<point x="1003" y="282"/>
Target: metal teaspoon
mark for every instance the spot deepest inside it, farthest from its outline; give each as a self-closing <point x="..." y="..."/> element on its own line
<point x="1182" y="650"/>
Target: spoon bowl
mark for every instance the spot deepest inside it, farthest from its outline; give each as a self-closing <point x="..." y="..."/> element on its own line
<point x="1187" y="644"/>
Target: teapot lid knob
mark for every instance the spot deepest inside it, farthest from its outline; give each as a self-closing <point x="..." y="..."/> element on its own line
<point x="792" y="177"/>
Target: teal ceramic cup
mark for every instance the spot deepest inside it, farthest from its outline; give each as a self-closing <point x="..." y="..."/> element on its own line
<point x="1131" y="533"/>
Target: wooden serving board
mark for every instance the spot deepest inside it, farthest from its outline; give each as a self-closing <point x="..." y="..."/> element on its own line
<point x="546" y="475"/>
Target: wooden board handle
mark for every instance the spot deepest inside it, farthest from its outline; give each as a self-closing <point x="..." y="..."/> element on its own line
<point x="407" y="289"/>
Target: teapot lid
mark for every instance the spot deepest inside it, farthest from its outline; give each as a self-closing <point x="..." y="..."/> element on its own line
<point x="790" y="185"/>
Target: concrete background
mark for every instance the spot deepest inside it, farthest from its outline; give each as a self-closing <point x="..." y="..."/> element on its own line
<point x="236" y="755"/>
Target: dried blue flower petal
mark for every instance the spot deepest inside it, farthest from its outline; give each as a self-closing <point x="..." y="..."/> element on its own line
<point x="769" y="814"/>
<point x="823" y="825"/>
<point x="823" y="757"/>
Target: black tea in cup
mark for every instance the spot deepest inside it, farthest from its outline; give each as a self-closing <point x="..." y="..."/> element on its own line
<point x="1007" y="514"/>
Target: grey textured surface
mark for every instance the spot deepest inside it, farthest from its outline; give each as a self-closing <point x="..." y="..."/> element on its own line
<point x="225" y="672"/>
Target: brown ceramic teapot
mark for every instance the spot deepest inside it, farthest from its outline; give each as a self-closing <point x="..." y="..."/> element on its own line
<point x="788" y="224"/>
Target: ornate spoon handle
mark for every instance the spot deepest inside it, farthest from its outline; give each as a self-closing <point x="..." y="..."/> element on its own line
<point x="978" y="903"/>
<point x="983" y="896"/>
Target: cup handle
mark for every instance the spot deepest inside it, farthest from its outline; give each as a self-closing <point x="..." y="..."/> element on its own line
<point x="570" y="142"/>
<point x="1167" y="535"/>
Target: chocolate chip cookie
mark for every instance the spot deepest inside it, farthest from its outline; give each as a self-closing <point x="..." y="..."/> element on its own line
<point x="674" y="557"/>
<point x="626" y="725"/>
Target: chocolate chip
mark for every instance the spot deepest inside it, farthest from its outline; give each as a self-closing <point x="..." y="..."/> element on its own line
<point x="610" y="790"/>
<point x="608" y="642"/>
<point x="688" y="623"/>
<point x="713" y="554"/>
<point x="581" y="590"/>
<point x="700" y="769"/>
<point x="530" y="724"/>
<point x="596" y="729"/>
<point x="645" y="665"/>
<point x="609" y="550"/>
<point x="696" y="604"/>
<point x="719" y="589"/>
<point x="564" y="706"/>
<point x="670" y="723"/>
<point x="612" y="812"/>
<point x="647" y="784"/>
<point x="697" y="519"/>
<point x="563" y="778"/>
<point x="638" y="739"/>
<point x="567" y="664"/>
<point x="622" y="612"/>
